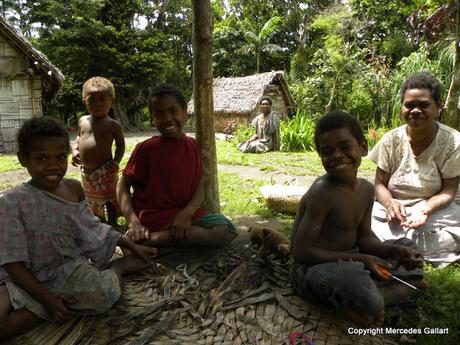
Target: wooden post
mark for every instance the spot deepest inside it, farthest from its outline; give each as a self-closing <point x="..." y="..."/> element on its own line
<point x="203" y="100"/>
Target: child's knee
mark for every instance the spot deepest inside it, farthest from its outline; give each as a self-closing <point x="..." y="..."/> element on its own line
<point x="223" y="235"/>
<point x="5" y="303"/>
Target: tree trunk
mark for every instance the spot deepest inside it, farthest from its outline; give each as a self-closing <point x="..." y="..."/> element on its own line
<point x="119" y="110"/>
<point x="203" y="100"/>
<point x="330" y="104"/>
<point x="452" y="111"/>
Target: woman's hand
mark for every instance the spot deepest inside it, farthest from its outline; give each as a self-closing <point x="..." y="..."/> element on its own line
<point x="55" y="305"/>
<point x="416" y="219"/>
<point x="396" y="212"/>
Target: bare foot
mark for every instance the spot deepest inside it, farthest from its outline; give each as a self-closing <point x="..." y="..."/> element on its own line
<point x="397" y="292"/>
<point x="360" y="318"/>
<point x="129" y="264"/>
<point x="379" y="318"/>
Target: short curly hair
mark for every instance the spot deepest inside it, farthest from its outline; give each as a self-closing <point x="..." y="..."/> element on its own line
<point x="422" y="80"/>
<point x="265" y="98"/>
<point x="39" y="127"/>
<point x="335" y="120"/>
<point x="163" y="90"/>
<point x="99" y="83"/>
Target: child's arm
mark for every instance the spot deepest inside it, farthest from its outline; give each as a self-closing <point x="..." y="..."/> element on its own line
<point x="119" y="143"/>
<point x="409" y="257"/>
<point x="143" y="252"/>
<point x="76" y="161"/>
<point x="137" y="230"/>
<point x="55" y="304"/>
<point x="182" y="223"/>
<point x="367" y="243"/>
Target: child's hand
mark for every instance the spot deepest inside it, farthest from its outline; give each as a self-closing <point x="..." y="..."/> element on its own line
<point x="113" y="166"/>
<point x="375" y="265"/>
<point x="144" y="252"/>
<point x="180" y="227"/>
<point x="55" y="305"/>
<point x="76" y="161"/>
<point x="408" y="257"/>
<point x="396" y="212"/>
<point x="138" y="232"/>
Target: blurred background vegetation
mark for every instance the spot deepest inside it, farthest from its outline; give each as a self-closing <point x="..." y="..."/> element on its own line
<point x="351" y="55"/>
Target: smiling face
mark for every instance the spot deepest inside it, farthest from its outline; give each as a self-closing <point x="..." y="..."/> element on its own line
<point x="98" y="102"/>
<point x="419" y="109"/>
<point x="46" y="162"/>
<point x="168" y="115"/>
<point x="265" y="106"/>
<point x="341" y="153"/>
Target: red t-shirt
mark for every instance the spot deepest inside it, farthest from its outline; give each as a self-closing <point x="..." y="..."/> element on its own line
<point x="165" y="174"/>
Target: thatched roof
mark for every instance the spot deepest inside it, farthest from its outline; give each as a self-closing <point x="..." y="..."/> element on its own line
<point x="49" y="72"/>
<point x="240" y="95"/>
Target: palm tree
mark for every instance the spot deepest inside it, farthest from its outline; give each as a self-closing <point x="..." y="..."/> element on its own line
<point x="258" y="43"/>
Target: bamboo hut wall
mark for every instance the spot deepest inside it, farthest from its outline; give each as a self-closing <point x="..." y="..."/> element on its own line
<point x="20" y="99"/>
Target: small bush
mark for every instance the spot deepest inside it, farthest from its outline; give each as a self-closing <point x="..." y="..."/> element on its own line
<point x="297" y="133"/>
<point x="242" y="133"/>
<point x="374" y="134"/>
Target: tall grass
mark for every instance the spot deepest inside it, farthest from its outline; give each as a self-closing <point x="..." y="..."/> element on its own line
<point x="297" y="133"/>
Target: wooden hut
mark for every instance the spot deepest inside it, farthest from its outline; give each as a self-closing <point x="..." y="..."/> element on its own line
<point x="238" y="98"/>
<point x="26" y="78"/>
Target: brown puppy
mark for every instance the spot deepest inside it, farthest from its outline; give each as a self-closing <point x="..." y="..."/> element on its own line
<point x="270" y="239"/>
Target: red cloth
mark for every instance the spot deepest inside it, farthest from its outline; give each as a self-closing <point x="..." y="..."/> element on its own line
<point x="165" y="174"/>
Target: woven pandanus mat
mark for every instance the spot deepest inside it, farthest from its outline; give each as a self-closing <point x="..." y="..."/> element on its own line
<point x="231" y="296"/>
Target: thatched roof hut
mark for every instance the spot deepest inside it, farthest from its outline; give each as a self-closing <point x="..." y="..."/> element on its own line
<point x="26" y="77"/>
<point x="238" y="98"/>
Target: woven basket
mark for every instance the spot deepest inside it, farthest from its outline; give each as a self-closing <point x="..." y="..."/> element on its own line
<point x="283" y="198"/>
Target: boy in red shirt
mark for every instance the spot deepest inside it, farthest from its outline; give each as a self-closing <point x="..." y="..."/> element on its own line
<point x="166" y="175"/>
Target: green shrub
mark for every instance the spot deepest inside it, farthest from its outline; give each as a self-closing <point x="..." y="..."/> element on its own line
<point x="359" y="102"/>
<point x="243" y="132"/>
<point x="374" y="134"/>
<point x="297" y="133"/>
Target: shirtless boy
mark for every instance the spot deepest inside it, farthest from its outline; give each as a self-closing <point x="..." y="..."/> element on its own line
<point x="331" y="240"/>
<point x="93" y="148"/>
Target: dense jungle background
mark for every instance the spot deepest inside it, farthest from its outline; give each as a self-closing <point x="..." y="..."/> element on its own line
<point x="350" y="55"/>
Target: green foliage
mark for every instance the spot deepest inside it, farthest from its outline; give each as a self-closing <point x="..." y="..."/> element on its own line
<point x="438" y="306"/>
<point x="103" y="37"/>
<point x="359" y="102"/>
<point x="374" y="134"/>
<point x="297" y="133"/>
<point x="9" y="162"/>
<point x="416" y="61"/>
<point x="258" y="43"/>
<point x="243" y="132"/>
<point x="240" y="196"/>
